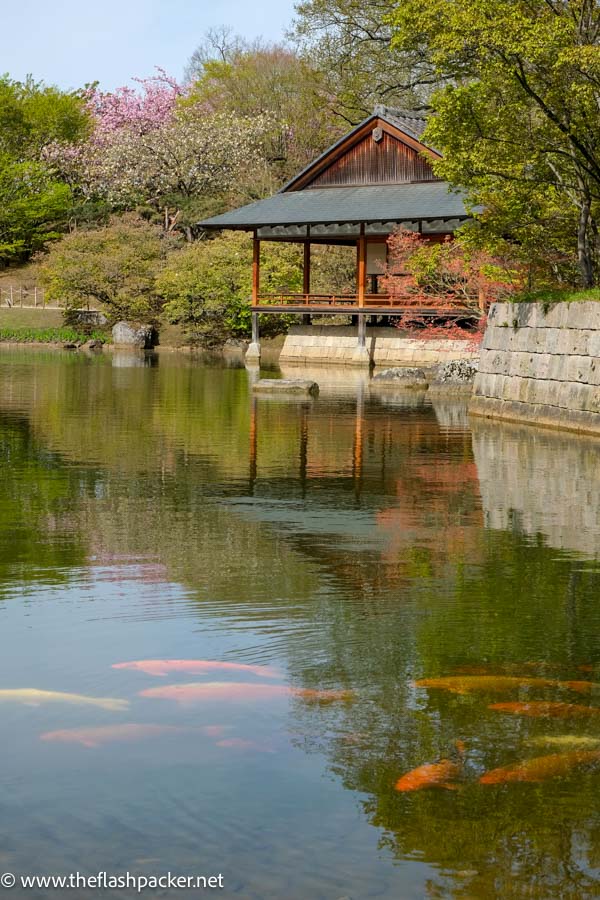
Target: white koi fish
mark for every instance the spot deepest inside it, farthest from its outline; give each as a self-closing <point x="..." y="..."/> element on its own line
<point x="33" y="697"/>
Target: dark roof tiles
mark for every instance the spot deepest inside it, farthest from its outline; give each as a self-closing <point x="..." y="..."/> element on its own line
<point x="392" y="202"/>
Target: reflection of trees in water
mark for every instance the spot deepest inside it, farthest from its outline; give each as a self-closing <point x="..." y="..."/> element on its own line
<point x="352" y="538"/>
<point x="34" y="488"/>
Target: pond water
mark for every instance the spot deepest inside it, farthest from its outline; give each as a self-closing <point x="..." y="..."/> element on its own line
<point x="335" y="550"/>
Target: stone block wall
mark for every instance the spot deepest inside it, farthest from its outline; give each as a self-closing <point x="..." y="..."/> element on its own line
<point x="541" y="365"/>
<point x="386" y="347"/>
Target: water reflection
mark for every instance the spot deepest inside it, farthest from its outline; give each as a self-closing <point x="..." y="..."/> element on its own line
<point x="542" y="485"/>
<point x="357" y="543"/>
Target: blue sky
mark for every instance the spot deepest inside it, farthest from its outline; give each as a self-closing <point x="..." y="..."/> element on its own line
<point x="71" y="42"/>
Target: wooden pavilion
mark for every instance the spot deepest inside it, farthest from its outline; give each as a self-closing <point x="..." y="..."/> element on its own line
<point x="377" y="177"/>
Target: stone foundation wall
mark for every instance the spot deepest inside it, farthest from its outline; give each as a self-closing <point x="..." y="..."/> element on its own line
<point x="386" y="347"/>
<point x="541" y="365"/>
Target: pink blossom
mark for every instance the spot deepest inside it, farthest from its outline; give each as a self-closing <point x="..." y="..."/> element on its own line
<point x="141" y="111"/>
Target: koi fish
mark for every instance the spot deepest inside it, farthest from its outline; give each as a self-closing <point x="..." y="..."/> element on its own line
<point x="33" y="697"/>
<point x="541" y="768"/>
<point x="465" y="684"/>
<point x="195" y="692"/>
<point x="188" y="694"/>
<point x="433" y="775"/>
<point x="572" y="741"/>
<point x="542" y="709"/>
<point x="162" y="667"/>
<point x="95" y="737"/>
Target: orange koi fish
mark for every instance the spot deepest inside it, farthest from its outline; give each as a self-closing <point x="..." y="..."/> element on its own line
<point x="196" y="692"/>
<point x="542" y="709"/>
<point x="163" y="667"/>
<point x="465" y="684"/>
<point x="433" y="775"/>
<point x="95" y="737"/>
<point x="541" y="768"/>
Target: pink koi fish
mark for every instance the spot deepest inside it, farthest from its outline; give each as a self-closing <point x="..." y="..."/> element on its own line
<point x="187" y="694"/>
<point x="163" y="667"/>
<point x="96" y="737"/>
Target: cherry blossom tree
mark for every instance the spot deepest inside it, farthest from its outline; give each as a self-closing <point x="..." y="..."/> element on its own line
<point x="148" y="150"/>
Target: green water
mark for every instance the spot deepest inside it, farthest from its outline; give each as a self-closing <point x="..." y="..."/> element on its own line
<point x="152" y="509"/>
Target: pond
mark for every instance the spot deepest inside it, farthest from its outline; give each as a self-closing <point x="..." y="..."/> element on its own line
<point x="388" y="584"/>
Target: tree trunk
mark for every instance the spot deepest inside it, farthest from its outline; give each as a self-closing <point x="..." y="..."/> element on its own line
<point x="585" y="251"/>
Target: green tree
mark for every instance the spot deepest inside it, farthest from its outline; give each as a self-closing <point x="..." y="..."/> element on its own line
<point x="33" y="208"/>
<point x="34" y="115"/>
<point x="517" y="113"/>
<point x="348" y="43"/>
<point x="258" y="79"/>
<point x="35" y="204"/>
<point x="113" y="268"/>
<point x="207" y="285"/>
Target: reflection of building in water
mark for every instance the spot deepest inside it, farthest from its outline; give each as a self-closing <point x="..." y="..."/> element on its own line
<point x="382" y="478"/>
<point x="538" y="483"/>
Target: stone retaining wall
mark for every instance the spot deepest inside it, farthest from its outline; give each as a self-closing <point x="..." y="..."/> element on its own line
<point x="386" y="346"/>
<point x="541" y="365"/>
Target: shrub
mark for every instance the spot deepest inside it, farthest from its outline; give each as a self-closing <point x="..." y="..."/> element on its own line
<point x="112" y="268"/>
<point x="206" y="286"/>
<point x="423" y="273"/>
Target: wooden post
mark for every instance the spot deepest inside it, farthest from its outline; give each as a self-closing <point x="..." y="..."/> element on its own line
<point x="361" y="273"/>
<point x="306" y="320"/>
<point x="306" y="271"/>
<point x="255" y="270"/>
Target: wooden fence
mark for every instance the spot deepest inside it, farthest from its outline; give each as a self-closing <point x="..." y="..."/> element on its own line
<point x="25" y="298"/>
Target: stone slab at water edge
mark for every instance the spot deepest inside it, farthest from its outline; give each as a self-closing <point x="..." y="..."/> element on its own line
<point x="541" y="364"/>
<point x="285" y="386"/>
<point x="385" y="346"/>
<point x="402" y="377"/>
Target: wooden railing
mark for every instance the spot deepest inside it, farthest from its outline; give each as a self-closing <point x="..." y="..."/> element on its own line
<point x="321" y="299"/>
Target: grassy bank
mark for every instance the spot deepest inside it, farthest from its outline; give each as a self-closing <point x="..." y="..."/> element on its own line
<point x="568" y="295"/>
<point x="41" y="326"/>
<point x="48" y="336"/>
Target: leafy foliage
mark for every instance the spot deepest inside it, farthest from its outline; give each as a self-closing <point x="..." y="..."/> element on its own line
<point x="258" y="79"/>
<point x="207" y="285"/>
<point x="33" y="208"/>
<point x="517" y="115"/>
<point x="34" y="203"/>
<point x="33" y="115"/>
<point x="348" y="44"/>
<point x="113" y="267"/>
<point x="444" y="274"/>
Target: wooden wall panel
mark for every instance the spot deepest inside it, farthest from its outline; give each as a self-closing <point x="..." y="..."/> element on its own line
<point x="388" y="161"/>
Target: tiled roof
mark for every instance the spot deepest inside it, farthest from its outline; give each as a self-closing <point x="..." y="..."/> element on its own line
<point x="376" y="203"/>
